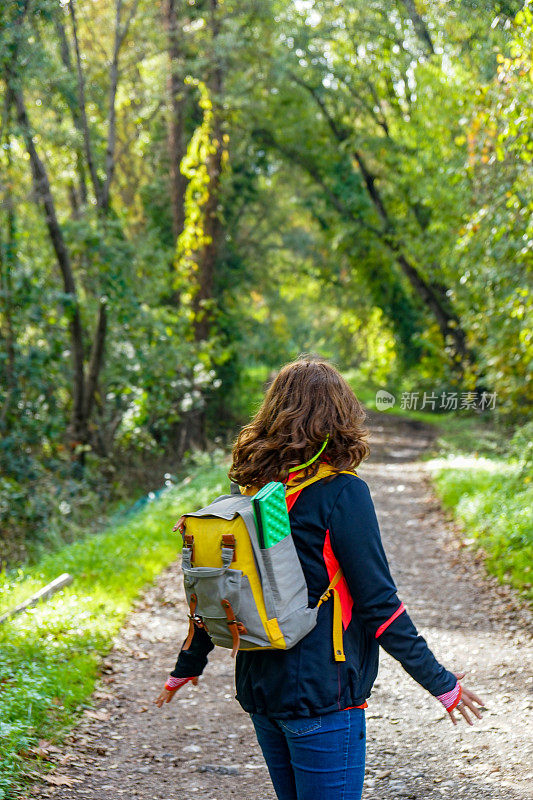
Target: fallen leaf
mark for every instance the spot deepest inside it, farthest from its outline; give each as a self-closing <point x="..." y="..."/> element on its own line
<point x="102" y="715"/>
<point x="44" y="749"/>
<point x="44" y="744"/>
<point x="60" y="780"/>
<point x="103" y="696"/>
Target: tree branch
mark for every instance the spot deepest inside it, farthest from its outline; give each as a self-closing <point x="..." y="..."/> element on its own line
<point x="83" y="121"/>
<point x="110" y="161"/>
<point x="97" y="357"/>
<point x="420" y="26"/>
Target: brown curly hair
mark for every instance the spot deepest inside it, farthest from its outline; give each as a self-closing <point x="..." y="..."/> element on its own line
<point x="307" y="401"/>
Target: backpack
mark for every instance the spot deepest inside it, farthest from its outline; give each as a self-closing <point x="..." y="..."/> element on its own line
<point x="246" y="597"/>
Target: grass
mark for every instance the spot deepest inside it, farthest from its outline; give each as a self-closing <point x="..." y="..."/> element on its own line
<point x="479" y="476"/>
<point x="49" y="656"/>
<point x="493" y="502"/>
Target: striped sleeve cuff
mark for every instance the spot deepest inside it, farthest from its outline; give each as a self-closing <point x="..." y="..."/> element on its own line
<point x="450" y="699"/>
<point x="174" y="683"/>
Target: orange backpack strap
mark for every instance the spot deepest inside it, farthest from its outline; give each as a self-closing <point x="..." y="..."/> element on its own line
<point x="324" y="471"/>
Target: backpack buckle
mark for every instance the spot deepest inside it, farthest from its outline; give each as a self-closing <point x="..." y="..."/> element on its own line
<point x="188" y="540"/>
<point x="194" y="622"/>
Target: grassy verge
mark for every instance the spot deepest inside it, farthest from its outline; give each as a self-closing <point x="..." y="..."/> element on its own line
<point x="493" y="502"/>
<point x="49" y="655"/>
<point x="483" y="476"/>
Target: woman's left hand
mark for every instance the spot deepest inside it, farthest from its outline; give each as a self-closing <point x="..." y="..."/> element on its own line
<point x="167" y="695"/>
<point x="468" y="698"/>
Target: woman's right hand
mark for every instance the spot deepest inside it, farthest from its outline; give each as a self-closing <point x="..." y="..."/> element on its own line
<point x="167" y="694"/>
<point x="468" y="698"/>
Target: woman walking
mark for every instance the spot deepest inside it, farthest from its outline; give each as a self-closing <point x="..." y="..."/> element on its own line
<point x="306" y="707"/>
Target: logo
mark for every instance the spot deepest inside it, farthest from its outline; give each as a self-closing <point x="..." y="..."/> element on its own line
<point x="384" y="400"/>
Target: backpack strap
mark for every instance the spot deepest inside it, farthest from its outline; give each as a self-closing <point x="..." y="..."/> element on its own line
<point x="332" y="591"/>
<point x="323" y="471"/>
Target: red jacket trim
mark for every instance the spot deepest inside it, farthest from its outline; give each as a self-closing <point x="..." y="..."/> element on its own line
<point x="333" y="566"/>
<point x="383" y="628"/>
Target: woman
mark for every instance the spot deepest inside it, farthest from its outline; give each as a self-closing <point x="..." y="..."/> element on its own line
<point x="307" y="708"/>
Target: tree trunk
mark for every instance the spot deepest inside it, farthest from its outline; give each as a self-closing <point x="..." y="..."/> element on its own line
<point x="176" y="117"/>
<point x="83" y="393"/>
<point x="212" y="225"/>
<point x="44" y="195"/>
<point x="79" y="113"/>
<point x="7" y="259"/>
<point x="447" y="321"/>
<point x="112" y="114"/>
<point x="419" y="25"/>
<point x="96" y="359"/>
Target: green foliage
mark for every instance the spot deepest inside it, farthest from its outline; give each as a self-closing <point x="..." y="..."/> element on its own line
<point x="521" y="451"/>
<point x="375" y="176"/>
<point x="494" y="247"/>
<point x="49" y="656"/>
<point x="353" y="143"/>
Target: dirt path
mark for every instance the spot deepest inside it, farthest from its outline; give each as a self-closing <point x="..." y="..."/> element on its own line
<point x="202" y="745"/>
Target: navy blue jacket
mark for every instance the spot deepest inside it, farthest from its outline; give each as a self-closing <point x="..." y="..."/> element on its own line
<point x="333" y="522"/>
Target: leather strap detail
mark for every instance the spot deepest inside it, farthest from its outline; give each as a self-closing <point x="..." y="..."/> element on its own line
<point x="235" y="627"/>
<point x="338" y="647"/>
<point x="332" y="584"/>
<point x="228" y="540"/>
<point x="323" y="471"/>
<point x="192" y="615"/>
<point x="194" y="622"/>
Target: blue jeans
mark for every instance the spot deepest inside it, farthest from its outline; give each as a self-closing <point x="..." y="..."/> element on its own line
<point x="315" y="758"/>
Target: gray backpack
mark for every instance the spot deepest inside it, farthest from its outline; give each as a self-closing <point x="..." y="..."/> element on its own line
<point x="247" y="597"/>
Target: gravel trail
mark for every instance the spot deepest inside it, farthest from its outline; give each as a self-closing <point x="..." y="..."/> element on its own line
<point x="202" y="744"/>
